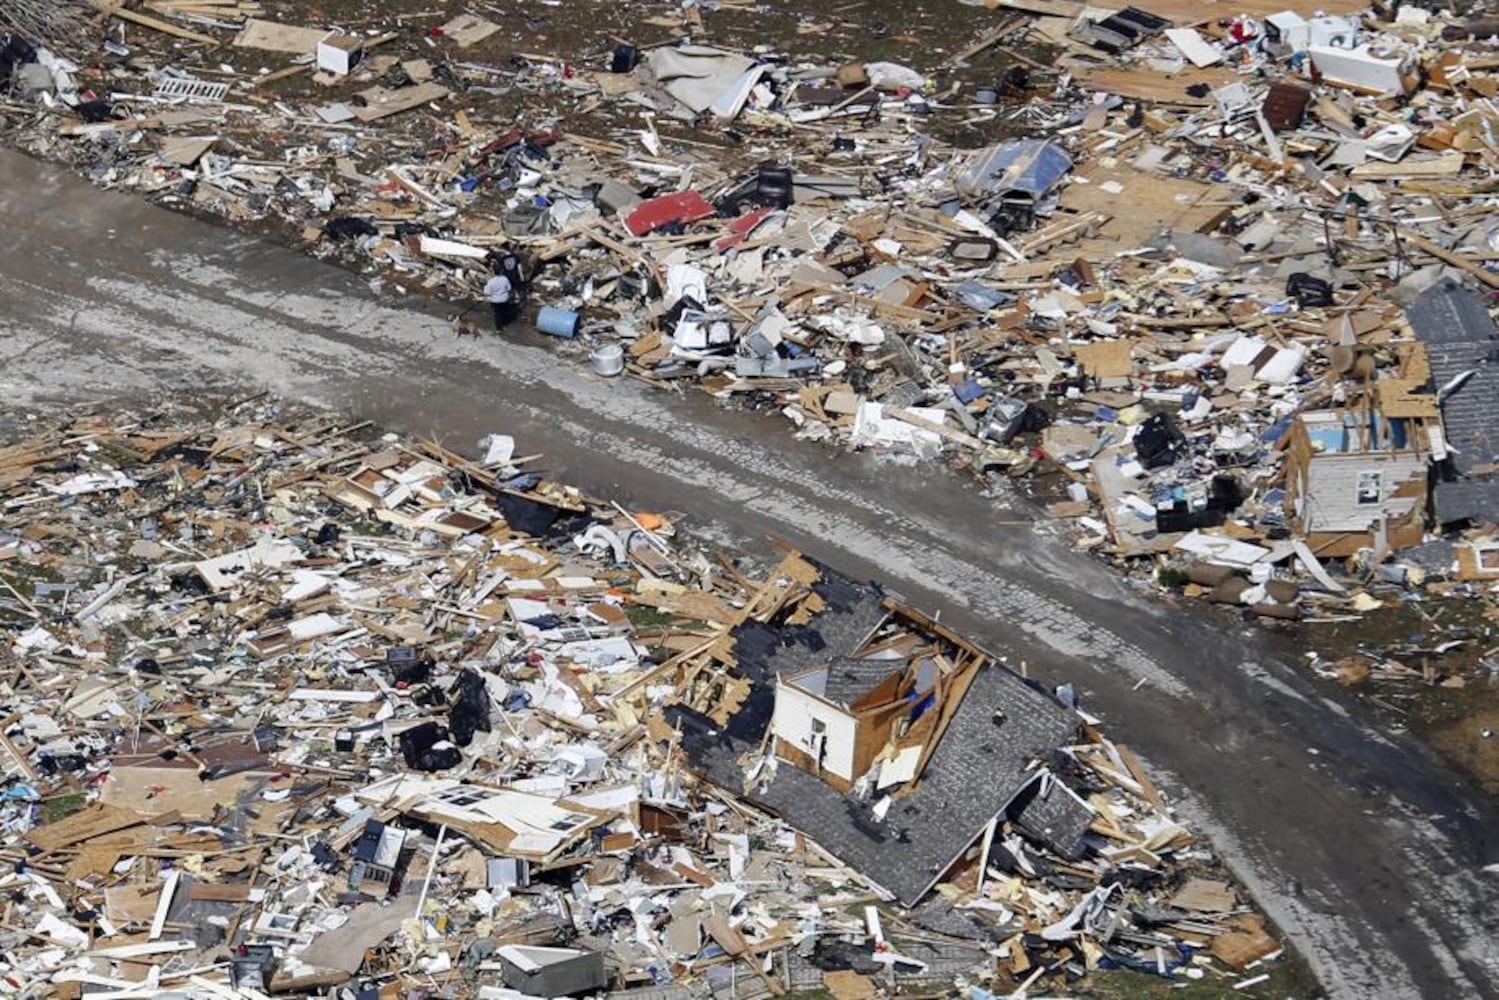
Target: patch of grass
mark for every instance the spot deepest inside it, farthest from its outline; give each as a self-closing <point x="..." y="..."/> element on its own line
<point x="118" y="455"/>
<point x="1289" y="980"/>
<point x="645" y="616"/>
<point x="60" y="807"/>
<point x="1172" y="576"/>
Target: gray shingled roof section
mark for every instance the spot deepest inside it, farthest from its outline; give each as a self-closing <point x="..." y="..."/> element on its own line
<point x="768" y="652"/>
<point x="974" y="773"/>
<point x="1057" y="820"/>
<point x="1460" y="337"/>
<point x="849" y="679"/>
<point x="1447" y="313"/>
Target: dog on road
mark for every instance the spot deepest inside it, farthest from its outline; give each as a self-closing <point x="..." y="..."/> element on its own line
<point x="465" y="327"/>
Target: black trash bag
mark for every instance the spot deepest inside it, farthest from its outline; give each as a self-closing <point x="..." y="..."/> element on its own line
<point x="404" y="230"/>
<point x="1159" y="443"/>
<point x="624" y="59"/>
<point x="426" y="748"/>
<point x="347" y="227"/>
<point x="1034" y="419"/>
<point x="411" y="672"/>
<point x="470" y="712"/>
<point x="1309" y="292"/>
<point x="15" y="51"/>
<point x="94" y="111"/>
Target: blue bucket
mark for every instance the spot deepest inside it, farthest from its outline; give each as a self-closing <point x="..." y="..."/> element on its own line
<point x="557" y="322"/>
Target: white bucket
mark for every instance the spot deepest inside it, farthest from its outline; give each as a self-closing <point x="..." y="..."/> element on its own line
<point x="609" y="359"/>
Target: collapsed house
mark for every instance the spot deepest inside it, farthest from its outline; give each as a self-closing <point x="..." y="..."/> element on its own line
<point x="894" y="742"/>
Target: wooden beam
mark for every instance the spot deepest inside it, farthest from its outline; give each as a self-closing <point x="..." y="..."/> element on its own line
<point x="115" y="10"/>
<point x="1457" y="260"/>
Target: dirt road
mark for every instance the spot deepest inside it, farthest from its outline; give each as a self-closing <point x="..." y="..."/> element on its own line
<point x="1365" y="848"/>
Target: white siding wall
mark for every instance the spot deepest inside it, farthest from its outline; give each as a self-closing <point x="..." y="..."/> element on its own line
<point x="792" y="723"/>
<point x="1332" y="491"/>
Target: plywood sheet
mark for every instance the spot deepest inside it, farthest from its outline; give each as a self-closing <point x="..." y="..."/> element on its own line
<point x="156" y="791"/>
<point x="1105" y="358"/>
<point x="272" y="37"/>
<point x="381" y="102"/>
<point x="1145" y="84"/>
<point x="1140" y="205"/>
<point x="468" y="29"/>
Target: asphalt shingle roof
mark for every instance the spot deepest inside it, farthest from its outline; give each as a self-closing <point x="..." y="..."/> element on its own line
<point x="849" y="679"/>
<point x="1460" y="337"/>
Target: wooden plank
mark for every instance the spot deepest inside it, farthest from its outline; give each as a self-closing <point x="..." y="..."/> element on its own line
<point x="115" y="10"/>
<point x="382" y="102"/>
<point x="1137" y="771"/>
<point x="211" y="892"/>
<point x="164" y="903"/>
<point x="941" y="430"/>
<point x="86" y="824"/>
<point x="1448" y="257"/>
<point x="272" y="37"/>
<point x="1445" y="165"/>
<point x="1148" y="85"/>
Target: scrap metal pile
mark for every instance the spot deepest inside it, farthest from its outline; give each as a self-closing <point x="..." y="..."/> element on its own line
<point x="288" y="706"/>
<point x="1163" y="278"/>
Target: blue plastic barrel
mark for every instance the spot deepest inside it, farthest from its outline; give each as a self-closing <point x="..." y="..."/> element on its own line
<point x="557" y="322"/>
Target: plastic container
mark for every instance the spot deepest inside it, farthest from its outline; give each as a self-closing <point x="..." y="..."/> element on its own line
<point x="608" y="360"/>
<point x="986" y="95"/>
<point x="557" y="322"/>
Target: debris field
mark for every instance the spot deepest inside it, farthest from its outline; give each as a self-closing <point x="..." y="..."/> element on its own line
<point x="292" y="707"/>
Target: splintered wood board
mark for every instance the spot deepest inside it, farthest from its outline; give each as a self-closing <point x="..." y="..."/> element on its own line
<point x="273" y="37"/>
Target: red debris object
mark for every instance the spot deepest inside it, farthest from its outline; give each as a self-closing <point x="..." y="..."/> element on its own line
<point x="652" y="214"/>
<point x="541" y="140"/>
<point x="741" y="227"/>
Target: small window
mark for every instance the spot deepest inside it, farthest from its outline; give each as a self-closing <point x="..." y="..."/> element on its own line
<point x="569" y="822"/>
<point x="819" y="727"/>
<point x="1370" y="487"/>
<point x="461" y="796"/>
<point x="1488" y="559"/>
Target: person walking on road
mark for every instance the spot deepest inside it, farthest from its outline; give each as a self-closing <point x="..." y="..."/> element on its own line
<point x="500" y="291"/>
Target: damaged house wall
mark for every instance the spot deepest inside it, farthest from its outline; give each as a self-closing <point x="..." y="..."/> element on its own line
<point x="815" y="734"/>
<point x="1344" y="493"/>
